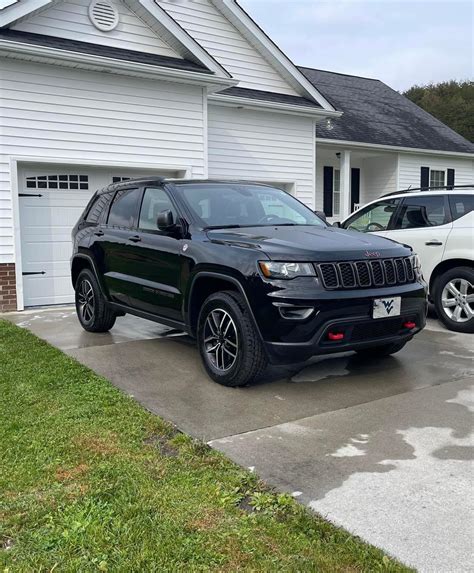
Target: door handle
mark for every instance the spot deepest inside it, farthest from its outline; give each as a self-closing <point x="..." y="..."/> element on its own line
<point x="433" y="243"/>
<point x="99" y="233"/>
<point x="135" y="238"/>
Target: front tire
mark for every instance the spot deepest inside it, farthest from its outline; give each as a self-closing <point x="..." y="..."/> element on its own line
<point x="229" y="344"/>
<point x="454" y="299"/>
<point x="382" y="350"/>
<point x="91" y="306"/>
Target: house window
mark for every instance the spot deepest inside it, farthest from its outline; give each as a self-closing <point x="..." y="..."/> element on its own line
<point x="336" y="193"/>
<point x="120" y="179"/>
<point x="68" y="182"/>
<point x="436" y="178"/>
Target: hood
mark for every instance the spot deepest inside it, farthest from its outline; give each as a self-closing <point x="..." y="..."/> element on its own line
<point x="306" y="243"/>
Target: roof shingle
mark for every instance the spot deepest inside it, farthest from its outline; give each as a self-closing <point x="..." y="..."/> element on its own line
<point x="375" y="113"/>
<point x="102" y="51"/>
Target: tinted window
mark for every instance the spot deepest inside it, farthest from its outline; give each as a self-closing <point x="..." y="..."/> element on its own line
<point x="124" y="208"/>
<point x="376" y="217"/>
<point x="155" y="201"/>
<point x="224" y="204"/>
<point x="461" y="205"/>
<point x="419" y="212"/>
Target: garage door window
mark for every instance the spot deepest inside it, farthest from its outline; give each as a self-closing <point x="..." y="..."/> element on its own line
<point x="124" y="210"/>
<point x="66" y="182"/>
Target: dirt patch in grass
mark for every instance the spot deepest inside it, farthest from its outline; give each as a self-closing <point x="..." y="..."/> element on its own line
<point x="162" y="444"/>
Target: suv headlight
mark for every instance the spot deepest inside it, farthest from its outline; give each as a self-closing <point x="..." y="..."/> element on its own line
<point x="274" y="270"/>
<point x="416" y="265"/>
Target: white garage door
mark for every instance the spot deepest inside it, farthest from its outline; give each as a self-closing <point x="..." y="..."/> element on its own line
<point x="51" y="200"/>
<point x="50" y="205"/>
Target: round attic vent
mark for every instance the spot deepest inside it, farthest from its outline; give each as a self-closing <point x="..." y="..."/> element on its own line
<point x="104" y="15"/>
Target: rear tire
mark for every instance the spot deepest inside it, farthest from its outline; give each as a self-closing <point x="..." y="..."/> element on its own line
<point x="454" y="299"/>
<point x="230" y="347"/>
<point x="382" y="350"/>
<point x="91" y="306"/>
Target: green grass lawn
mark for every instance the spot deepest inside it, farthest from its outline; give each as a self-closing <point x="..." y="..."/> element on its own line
<point x="90" y="481"/>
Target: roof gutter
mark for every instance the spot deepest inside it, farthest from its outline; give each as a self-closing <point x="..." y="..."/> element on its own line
<point x="259" y="105"/>
<point x="362" y="145"/>
<point x="11" y="48"/>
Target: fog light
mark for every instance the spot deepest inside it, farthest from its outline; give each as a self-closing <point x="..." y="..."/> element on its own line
<point x="409" y="324"/>
<point x="335" y="336"/>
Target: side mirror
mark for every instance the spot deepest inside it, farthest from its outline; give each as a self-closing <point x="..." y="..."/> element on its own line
<point x="165" y="220"/>
<point x="337" y="224"/>
<point x="321" y="215"/>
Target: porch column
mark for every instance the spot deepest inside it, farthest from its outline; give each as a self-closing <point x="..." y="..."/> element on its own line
<point x="345" y="183"/>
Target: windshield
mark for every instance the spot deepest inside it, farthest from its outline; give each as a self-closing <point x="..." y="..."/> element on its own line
<point x="217" y="205"/>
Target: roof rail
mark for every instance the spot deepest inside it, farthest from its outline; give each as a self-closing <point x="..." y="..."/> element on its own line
<point x="128" y="182"/>
<point x="432" y="188"/>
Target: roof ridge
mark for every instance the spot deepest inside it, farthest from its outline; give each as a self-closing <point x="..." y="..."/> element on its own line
<point x="341" y="74"/>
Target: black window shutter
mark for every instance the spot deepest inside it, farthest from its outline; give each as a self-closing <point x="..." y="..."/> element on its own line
<point x="425" y="177"/>
<point x="450" y="178"/>
<point x="328" y="183"/>
<point x="355" y="187"/>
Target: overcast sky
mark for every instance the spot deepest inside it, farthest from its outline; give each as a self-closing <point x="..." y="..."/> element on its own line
<point x="402" y="43"/>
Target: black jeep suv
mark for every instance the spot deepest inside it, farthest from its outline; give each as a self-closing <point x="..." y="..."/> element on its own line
<point x="246" y="269"/>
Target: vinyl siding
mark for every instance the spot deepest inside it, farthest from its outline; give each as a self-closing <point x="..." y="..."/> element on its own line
<point x="227" y="45"/>
<point x="410" y="165"/>
<point x="55" y="113"/>
<point x="69" y="19"/>
<point x="261" y="146"/>
<point x="380" y="177"/>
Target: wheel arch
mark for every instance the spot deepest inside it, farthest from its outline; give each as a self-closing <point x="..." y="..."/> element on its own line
<point x="206" y="283"/>
<point x="444" y="266"/>
<point x="82" y="261"/>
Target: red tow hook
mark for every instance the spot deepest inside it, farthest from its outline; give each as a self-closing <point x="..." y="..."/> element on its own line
<point x="335" y="336"/>
<point x="409" y="324"/>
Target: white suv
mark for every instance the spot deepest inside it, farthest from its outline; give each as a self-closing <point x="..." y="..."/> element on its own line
<point x="439" y="226"/>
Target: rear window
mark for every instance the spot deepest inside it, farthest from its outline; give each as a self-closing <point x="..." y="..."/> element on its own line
<point x="461" y="205"/>
<point x="124" y="209"/>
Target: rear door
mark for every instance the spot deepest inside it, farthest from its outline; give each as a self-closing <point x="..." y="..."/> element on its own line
<point x="157" y="266"/>
<point x="118" y="248"/>
<point x="424" y="223"/>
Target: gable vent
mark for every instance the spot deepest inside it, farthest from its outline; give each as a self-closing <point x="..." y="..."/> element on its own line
<point x="104" y="15"/>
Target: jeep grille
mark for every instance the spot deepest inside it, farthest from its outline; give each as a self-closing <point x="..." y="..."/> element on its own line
<point x="365" y="274"/>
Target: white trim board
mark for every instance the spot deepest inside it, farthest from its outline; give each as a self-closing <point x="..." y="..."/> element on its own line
<point x="249" y="103"/>
<point x="32" y="52"/>
<point x="358" y="144"/>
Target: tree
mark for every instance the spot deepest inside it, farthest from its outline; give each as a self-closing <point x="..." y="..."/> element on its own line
<point x="451" y="102"/>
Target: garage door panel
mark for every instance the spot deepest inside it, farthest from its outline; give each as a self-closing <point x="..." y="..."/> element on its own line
<point x="52" y="198"/>
<point x="46" y="224"/>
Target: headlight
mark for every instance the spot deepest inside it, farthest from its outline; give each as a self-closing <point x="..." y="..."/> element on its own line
<point x="416" y="265"/>
<point x="273" y="270"/>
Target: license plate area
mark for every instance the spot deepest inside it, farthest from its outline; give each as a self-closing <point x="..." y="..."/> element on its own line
<point x="386" y="307"/>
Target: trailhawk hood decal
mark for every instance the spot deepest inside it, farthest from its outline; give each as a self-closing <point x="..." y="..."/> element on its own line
<point x="306" y="243"/>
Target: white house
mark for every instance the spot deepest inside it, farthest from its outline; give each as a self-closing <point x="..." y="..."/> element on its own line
<point x="93" y="91"/>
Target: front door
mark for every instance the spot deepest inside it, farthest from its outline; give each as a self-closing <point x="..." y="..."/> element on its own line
<point x="424" y="223"/>
<point x="157" y="265"/>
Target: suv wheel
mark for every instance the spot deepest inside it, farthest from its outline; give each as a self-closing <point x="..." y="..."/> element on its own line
<point x="454" y="299"/>
<point x="229" y="344"/>
<point x="91" y="306"/>
<point x="382" y="350"/>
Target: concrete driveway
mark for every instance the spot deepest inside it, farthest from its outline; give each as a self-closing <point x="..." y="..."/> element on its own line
<point x="383" y="448"/>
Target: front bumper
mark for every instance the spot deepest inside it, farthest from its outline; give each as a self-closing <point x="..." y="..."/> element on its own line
<point x="350" y="314"/>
